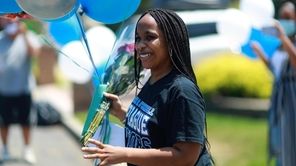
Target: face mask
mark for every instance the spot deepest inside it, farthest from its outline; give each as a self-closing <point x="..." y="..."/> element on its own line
<point x="11" y="29"/>
<point x="289" y="27"/>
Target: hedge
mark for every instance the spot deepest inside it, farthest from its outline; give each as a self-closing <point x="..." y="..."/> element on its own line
<point x="234" y="75"/>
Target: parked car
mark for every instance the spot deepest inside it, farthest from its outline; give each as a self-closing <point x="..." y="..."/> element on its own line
<point x="203" y="35"/>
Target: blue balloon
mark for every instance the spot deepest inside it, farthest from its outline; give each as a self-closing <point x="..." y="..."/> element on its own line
<point x="9" y="6"/>
<point x="65" y="31"/>
<point x="109" y="11"/>
<point x="269" y="43"/>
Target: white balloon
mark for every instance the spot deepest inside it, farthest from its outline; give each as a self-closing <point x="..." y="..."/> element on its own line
<point x="53" y="10"/>
<point x="75" y="63"/>
<point x="261" y="12"/>
<point x="101" y="40"/>
<point x="235" y="26"/>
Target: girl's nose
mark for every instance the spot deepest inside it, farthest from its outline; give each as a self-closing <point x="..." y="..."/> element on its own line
<point x="140" y="45"/>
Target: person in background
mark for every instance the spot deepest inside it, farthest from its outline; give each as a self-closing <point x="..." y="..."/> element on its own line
<point x="282" y="111"/>
<point x="165" y="123"/>
<point x="17" y="46"/>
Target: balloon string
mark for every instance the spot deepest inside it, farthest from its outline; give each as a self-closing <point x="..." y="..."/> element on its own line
<point x="59" y="51"/>
<point x="86" y="44"/>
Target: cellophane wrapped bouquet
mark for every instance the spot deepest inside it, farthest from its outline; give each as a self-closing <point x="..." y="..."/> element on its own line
<point x="118" y="78"/>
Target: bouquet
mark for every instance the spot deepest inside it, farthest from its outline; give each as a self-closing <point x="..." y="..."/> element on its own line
<point x="120" y="75"/>
<point x="118" y="78"/>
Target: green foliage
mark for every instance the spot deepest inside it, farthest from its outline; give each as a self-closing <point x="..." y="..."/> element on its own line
<point x="234" y="4"/>
<point x="234" y="75"/>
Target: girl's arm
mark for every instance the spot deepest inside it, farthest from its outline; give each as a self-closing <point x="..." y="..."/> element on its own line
<point x="32" y="51"/>
<point x="259" y="52"/>
<point x="181" y="154"/>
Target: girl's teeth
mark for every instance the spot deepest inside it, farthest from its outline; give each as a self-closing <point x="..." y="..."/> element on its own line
<point x="144" y="55"/>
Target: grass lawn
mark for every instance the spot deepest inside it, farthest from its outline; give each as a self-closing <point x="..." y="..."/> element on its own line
<point x="237" y="140"/>
<point x="234" y="140"/>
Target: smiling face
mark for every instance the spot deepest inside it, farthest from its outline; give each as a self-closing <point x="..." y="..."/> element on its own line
<point x="151" y="46"/>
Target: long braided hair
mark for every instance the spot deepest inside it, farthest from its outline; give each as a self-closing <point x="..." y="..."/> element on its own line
<point x="176" y="35"/>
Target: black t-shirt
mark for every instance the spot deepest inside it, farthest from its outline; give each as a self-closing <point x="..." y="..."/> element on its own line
<point x="169" y="111"/>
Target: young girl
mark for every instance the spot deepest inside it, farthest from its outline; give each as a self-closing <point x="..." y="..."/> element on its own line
<point x="165" y="123"/>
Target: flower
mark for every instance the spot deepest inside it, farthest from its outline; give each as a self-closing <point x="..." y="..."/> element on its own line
<point x="128" y="48"/>
<point x="119" y="78"/>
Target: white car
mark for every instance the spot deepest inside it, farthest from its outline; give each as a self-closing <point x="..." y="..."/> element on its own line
<point x="204" y="38"/>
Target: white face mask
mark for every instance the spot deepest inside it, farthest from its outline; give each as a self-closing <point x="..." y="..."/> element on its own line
<point x="11" y="29"/>
<point x="289" y="27"/>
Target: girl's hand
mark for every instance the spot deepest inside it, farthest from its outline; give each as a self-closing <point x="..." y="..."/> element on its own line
<point x="106" y="153"/>
<point x="255" y="46"/>
<point x="279" y="28"/>
<point x="116" y="108"/>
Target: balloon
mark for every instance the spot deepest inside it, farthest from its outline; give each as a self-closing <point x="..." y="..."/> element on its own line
<point x="65" y="31"/>
<point x="109" y="11"/>
<point x="235" y="26"/>
<point x="268" y="43"/>
<point x="101" y="40"/>
<point x="75" y="63"/>
<point x="9" y="6"/>
<point x="261" y="12"/>
<point x="49" y="10"/>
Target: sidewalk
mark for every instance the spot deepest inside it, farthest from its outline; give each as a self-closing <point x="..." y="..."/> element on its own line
<point x="62" y="100"/>
<point x="250" y="107"/>
<point x="53" y="145"/>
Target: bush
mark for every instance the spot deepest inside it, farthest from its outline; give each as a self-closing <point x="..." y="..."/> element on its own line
<point x="234" y="75"/>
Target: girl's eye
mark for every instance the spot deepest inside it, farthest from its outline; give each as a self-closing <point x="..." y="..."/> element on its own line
<point x="147" y="38"/>
<point x="150" y="37"/>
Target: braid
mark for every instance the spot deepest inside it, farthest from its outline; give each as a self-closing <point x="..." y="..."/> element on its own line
<point x="176" y="36"/>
